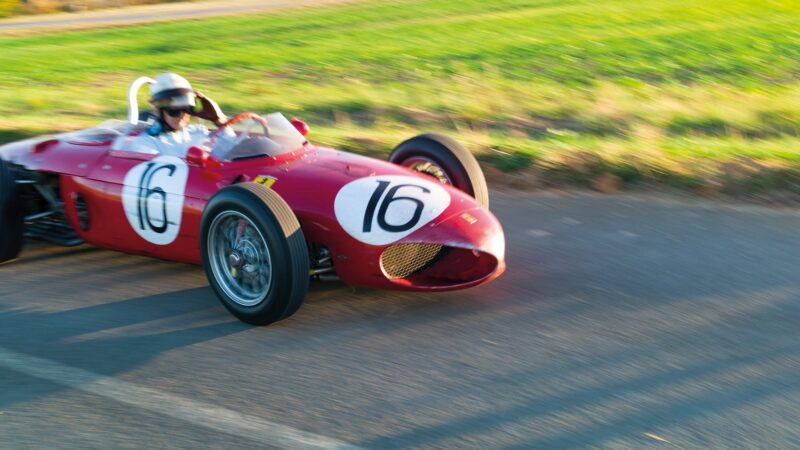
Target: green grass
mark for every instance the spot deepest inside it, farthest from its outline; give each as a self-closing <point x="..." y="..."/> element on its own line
<point x="684" y="88"/>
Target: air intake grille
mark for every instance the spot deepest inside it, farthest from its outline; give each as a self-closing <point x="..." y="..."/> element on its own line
<point x="402" y="260"/>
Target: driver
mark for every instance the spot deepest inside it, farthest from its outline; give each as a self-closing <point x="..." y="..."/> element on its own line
<point x="174" y="101"/>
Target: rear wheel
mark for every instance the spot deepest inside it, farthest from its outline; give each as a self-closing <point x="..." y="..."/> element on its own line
<point x="254" y="253"/>
<point x="443" y="158"/>
<point x="12" y="219"/>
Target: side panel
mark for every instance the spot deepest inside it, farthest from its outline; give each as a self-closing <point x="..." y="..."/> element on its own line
<point x="59" y="156"/>
<point x="145" y="206"/>
<point x="165" y="200"/>
<point x="98" y="230"/>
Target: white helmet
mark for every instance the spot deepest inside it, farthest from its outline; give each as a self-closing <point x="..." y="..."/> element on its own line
<point x="171" y="91"/>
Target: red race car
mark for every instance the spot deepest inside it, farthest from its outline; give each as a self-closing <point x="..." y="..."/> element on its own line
<point x="263" y="211"/>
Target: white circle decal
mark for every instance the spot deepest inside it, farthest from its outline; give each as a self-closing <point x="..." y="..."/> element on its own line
<point x="152" y="196"/>
<point x="383" y="209"/>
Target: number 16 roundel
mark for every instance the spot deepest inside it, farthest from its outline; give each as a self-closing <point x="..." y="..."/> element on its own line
<point x="153" y="195"/>
<point x="383" y="209"/>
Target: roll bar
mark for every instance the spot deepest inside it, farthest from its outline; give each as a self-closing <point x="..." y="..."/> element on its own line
<point x="133" y="104"/>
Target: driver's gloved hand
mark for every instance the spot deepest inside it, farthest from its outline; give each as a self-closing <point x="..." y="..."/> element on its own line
<point x="209" y="110"/>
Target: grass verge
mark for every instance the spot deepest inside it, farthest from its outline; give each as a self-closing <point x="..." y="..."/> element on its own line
<point x="696" y="94"/>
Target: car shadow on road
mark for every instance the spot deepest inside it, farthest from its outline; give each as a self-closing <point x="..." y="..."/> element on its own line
<point x="113" y="338"/>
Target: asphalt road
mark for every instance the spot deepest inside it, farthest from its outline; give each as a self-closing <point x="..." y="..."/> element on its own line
<point x="621" y="323"/>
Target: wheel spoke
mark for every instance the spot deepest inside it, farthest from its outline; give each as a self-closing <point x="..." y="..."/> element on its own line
<point x="240" y="228"/>
<point x="428" y="167"/>
<point x="240" y="258"/>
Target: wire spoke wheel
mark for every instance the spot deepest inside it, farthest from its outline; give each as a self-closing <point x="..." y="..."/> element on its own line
<point x="254" y="253"/>
<point x="240" y="258"/>
<point x="428" y="167"/>
<point x="446" y="160"/>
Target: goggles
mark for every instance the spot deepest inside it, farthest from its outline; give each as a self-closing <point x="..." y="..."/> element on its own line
<point x="177" y="112"/>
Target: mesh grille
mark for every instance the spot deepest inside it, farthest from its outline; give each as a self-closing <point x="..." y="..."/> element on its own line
<point x="402" y="260"/>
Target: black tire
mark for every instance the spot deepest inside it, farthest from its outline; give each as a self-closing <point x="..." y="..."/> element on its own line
<point x="269" y="218"/>
<point x="12" y="219"/>
<point x="457" y="163"/>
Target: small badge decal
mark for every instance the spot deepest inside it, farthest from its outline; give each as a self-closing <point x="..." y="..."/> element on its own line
<point x="153" y="195"/>
<point x="266" y="180"/>
<point x="469" y="218"/>
<point x="382" y="209"/>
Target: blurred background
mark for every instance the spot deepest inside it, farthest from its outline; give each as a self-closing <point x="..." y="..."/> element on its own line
<point x="698" y="95"/>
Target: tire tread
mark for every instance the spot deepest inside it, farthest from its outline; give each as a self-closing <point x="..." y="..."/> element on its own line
<point x="297" y="243"/>
<point x="443" y="145"/>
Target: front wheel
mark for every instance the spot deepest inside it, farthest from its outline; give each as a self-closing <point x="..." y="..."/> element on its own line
<point x="443" y="158"/>
<point x="254" y="253"/>
<point x="12" y="219"/>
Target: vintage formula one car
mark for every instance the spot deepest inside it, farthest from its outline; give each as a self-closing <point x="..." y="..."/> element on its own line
<point x="263" y="212"/>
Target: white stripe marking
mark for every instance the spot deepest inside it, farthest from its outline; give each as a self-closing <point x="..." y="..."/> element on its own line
<point x="194" y="412"/>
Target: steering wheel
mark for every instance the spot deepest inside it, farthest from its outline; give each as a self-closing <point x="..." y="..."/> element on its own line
<point x="246" y="133"/>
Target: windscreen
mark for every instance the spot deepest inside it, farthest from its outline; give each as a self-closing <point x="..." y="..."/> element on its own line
<point x="251" y="140"/>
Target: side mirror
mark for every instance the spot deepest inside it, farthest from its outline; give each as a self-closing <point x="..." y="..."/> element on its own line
<point x="301" y="126"/>
<point x="197" y="156"/>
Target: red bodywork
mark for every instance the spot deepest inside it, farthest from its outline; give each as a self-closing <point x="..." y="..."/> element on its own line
<point x="308" y="180"/>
